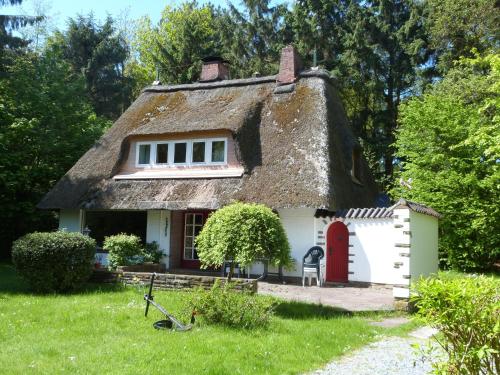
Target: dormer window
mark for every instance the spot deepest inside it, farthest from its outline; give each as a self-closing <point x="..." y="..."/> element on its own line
<point x="144" y="154"/>
<point x="218" y="152"/>
<point x="198" y="152"/>
<point x="162" y="153"/>
<point x="181" y="153"/>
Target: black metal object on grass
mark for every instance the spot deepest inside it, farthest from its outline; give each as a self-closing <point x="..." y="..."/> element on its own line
<point x="170" y="321"/>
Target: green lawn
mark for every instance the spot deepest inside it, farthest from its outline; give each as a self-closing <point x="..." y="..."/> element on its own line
<point x="102" y="330"/>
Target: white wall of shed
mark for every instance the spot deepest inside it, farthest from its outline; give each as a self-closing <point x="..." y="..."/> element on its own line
<point x="424" y="245"/>
<point x="158" y="230"/>
<point x="71" y="220"/>
<point x="371" y="253"/>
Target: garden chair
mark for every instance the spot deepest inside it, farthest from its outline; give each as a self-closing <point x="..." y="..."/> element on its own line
<point x="311" y="265"/>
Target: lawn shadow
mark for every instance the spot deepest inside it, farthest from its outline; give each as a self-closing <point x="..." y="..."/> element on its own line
<point x="11" y="283"/>
<point x="303" y="310"/>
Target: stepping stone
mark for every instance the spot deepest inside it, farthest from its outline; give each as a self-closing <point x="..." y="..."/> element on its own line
<point x="391" y="322"/>
<point x="424" y="333"/>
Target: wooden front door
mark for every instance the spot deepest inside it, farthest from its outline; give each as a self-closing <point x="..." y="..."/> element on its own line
<point x="337" y="247"/>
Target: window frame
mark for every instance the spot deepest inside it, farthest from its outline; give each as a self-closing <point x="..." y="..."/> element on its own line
<point x="156" y="153"/>
<point x="210" y="142"/>
<point x="151" y="152"/>
<point x="189" y="153"/>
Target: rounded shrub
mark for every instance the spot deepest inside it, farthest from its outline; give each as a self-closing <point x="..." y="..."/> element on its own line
<point x="243" y="232"/>
<point x="124" y="250"/>
<point x="54" y="261"/>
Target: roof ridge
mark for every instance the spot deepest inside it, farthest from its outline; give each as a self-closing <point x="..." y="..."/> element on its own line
<point x="319" y="73"/>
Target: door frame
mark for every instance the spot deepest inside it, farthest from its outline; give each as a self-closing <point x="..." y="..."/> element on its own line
<point x="191" y="263"/>
<point x="342" y="253"/>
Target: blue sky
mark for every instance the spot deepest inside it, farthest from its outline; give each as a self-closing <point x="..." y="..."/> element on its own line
<point x="60" y="10"/>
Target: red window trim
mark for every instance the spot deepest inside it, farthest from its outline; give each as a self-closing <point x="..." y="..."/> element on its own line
<point x="191" y="263"/>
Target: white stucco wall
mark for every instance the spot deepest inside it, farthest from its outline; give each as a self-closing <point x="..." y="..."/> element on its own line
<point x="299" y="228"/>
<point x="158" y="231"/>
<point x="424" y="245"/>
<point x="70" y="220"/>
<point x="371" y="251"/>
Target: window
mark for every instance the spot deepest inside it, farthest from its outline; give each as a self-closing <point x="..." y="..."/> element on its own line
<point x="144" y="153"/>
<point x="218" y="151"/>
<point x="162" y="153"/>
<point x="198" y="152"/>
<point x="193" y="225"/>
<point x="180" y="150"/>
<point x="165" y="154"/>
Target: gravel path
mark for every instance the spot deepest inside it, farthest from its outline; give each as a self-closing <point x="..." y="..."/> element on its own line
<point x="389" y="356"/>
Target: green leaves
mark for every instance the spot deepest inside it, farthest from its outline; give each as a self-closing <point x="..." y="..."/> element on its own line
<point x="466" y="310"/>
<point x="448" y="145"/>
<point x="46" y="124"/>
<point x="124" y="249"/>
<point x="243" y="233"/>
<point x="54" y="261"/>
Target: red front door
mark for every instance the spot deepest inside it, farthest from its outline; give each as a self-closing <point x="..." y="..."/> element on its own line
<point x="337" y="246"/>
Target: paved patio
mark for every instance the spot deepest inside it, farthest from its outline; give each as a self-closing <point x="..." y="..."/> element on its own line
<point x="345" y="297"/>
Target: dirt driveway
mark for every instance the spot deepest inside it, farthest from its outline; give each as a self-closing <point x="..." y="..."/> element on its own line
<point x="345" y="297"/>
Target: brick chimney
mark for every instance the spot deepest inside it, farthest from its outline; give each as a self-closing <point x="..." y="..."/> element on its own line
<point x="290" y="65"/>
<point x="214" y="69"/>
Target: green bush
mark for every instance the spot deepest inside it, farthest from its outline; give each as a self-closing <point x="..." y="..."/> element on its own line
<point x="244" y="233"/>
<point x="124" y="250"/>
<point x="54" y="261"/>
<point x="466" y="311"/>
<point x="224" y="305"/>
<point x="152" y="252"/>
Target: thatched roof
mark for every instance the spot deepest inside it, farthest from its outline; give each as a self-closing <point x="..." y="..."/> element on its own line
<point x="294" y="143"/>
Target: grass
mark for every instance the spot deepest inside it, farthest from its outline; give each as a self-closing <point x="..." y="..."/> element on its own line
<point x="102" y="329"/>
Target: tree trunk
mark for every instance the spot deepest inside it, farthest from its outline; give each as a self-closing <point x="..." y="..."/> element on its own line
<point x="231" y="272"/>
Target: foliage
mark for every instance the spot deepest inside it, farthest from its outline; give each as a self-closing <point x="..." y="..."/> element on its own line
<point x="243" y="232"/>
<point x="222" y="304"/>
<point x="457" y="27"/>
<point x="124" y="250"/>
<point x="466" y="311"/>
<point x="175" y="47"/>
<point x="448" y="144"/>
<point x="252" y="36"/>
<point x="152" y="252"/>
<point x="54" y="261"/>
<point x="46" y="124"/>
<point x="97" y="53"/>
<point x="13" y="22"/>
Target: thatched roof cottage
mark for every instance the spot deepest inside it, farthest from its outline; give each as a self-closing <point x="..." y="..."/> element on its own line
<point x="180" y="152"/>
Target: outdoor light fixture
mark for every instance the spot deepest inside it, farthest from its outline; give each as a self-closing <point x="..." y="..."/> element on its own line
<point x="86" y="231"/>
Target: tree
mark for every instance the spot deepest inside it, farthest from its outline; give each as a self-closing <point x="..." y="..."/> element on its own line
<point x="456" y="27"/>
<point x="252" y="38"/>
<point x="46" y="124"/>
<point x="9" y="23"/>
<point x="174" y="48"/>
<point x="449" y="145"/>
<point x="98" y="53"/>
<point x="242" y="233"/>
